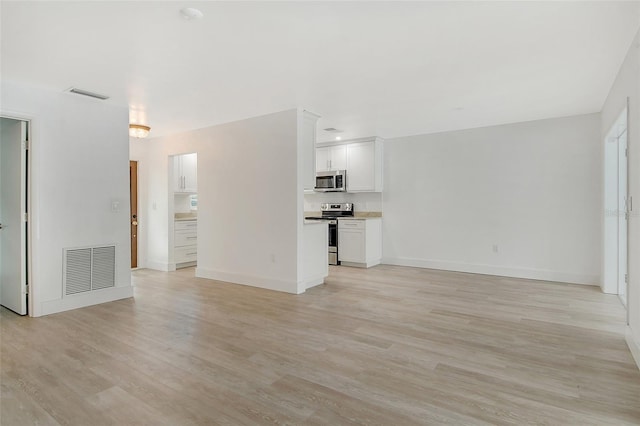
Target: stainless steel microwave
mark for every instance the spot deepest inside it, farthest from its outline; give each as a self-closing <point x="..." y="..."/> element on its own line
<point x="333" y="181"/>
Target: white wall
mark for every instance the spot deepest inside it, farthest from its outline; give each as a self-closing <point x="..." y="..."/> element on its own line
<point x="627" y="84"/>
<point x="531" y="189"/>
<point x="248" y="201"/>
<point x="79" y="166"/>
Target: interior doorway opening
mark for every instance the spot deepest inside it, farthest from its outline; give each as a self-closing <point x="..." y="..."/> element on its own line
<point x="183" y="211"/>
<point x="616" y="210"/>
<point x="14" y="208"/>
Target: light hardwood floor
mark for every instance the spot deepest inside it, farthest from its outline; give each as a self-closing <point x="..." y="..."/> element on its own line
<point x="387" y="346"/>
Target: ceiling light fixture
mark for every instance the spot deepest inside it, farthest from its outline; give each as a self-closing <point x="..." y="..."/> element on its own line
<point x="139" y="130"/>
<point x="191" y="14"/>
<point x="338" y="138"/>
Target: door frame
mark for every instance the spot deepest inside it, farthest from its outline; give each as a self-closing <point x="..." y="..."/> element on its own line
<point x="26" y="258"/>
<point x="133" y="210"/>
<point x="611" y="257"/>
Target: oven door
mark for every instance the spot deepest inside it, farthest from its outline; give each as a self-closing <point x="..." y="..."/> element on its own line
<point x="333" y="242"/>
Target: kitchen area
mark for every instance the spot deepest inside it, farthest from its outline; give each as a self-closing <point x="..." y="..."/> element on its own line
<point x="265" y="236"/>
<point x="185" y="210"/>
<point x="348" y="196"/>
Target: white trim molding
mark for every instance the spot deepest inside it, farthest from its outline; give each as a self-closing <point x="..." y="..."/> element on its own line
<point x="534" y="274"/>
<point x="250" y="280"/>
<point x="83" y="300"/>
<point x="634" y="346"/>
<point x="160" y="266"/>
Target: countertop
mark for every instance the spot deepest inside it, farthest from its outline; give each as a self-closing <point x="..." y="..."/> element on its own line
<point x="358" y="215"/>
<point x="343" y="218"/>
<point x="315" y="222"/>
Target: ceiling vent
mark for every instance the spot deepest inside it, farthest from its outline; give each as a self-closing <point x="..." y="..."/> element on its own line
<point x="332" y="130"/>
<point x="87" y="93"/>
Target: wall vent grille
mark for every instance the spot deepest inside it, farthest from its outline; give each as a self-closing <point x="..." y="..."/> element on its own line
<point x="88" y="269"/>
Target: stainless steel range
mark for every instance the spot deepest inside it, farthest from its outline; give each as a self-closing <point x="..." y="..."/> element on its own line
<point x="332" y="212"/>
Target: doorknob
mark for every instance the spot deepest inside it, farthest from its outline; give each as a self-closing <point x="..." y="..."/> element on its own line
<point x="0" y="226"/>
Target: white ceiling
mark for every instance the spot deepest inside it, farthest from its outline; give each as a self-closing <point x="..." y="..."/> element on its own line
<point x="368" y="68"/>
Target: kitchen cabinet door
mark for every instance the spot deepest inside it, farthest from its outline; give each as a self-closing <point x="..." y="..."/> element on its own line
<point x="351" y="246"/>
<point x="360" y="242"/>
<point x="322" y="159"/>
<point x="190" y="172"/>
<point x="361" y="167"/>
<point x="338" y="157"/>
<point x="185" y="173"/>
<point x="331" y="158"/>
<point x="185" y="242"/>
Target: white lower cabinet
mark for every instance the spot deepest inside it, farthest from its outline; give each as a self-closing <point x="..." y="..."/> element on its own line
<point x="185" y="242"/>
<point x="360" y="242"/>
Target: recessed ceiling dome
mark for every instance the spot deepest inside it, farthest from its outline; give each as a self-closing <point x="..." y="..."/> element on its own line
<point x="189" y="13"/>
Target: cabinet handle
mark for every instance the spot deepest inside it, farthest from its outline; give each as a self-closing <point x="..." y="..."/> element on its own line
<point x="191" y="238"/>
<point x="189" y="254"/>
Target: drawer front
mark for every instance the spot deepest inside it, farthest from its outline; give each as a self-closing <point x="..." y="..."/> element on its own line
<point x="185" y="225"/>
<point x="185" y="254"/>
<point x="185" y="239"/>
<point x="350" y="224"/>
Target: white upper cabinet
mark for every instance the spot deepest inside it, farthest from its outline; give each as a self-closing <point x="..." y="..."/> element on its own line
<point x="361" y="158"/>
<point x="185" y="173"/>
<point x="331" y="158"/>
<point x="361" y="170"/>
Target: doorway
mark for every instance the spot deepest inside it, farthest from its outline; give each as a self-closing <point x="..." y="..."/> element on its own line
<point x="133" y="202"/>
<point x="616" y="216"/>
<point x="183" y="210"/>
<point x="14" y="229"/>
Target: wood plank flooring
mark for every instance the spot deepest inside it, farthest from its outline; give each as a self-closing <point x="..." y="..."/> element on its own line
<point x="384" y="346"/>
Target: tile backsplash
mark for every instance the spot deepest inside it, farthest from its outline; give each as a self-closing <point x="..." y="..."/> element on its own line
<point x="363" y="201"/>
<point x="184" y="203"/>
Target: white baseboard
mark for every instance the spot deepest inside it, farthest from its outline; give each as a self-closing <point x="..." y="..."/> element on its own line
<point x="85" y="299"/>
<point x="534" y="274"/>
<point x="311" y="282"/>
<point x="161" y="266"/>
<point x="634" y="346"/>
<point x="368" y="264"/>
<point x="250" y="280"/>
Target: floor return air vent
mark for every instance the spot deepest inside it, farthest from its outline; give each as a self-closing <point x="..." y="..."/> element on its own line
<point x="89" y="269"/>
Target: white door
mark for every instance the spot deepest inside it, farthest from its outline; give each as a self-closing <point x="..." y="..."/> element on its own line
<point x="322" y="159"/>
<point x="190" y="172"/>
<point x="623" y="216"/>
<point x="338" y="157"/>
<point x="361" y="167"/>
<point x="13" y="293"/>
